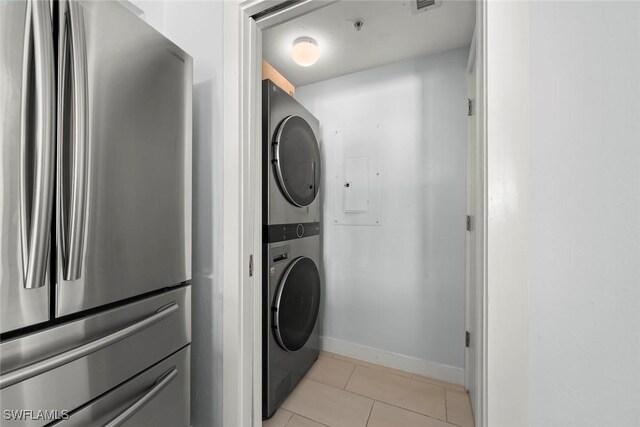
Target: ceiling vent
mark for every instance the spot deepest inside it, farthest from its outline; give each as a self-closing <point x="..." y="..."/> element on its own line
<point x="419" y="6"/>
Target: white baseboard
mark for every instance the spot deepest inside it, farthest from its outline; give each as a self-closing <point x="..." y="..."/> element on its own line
<point x="414" y="365"/>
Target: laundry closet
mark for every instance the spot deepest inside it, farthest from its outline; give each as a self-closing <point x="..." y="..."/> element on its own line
<point x="365" y="182"/>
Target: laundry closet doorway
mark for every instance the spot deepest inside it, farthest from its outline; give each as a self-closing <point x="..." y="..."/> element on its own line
<point x="244" y="25"/>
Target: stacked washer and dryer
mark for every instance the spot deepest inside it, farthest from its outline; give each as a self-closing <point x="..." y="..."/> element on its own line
<point x="291" y="244"/>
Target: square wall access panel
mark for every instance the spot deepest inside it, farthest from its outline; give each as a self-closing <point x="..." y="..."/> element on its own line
<point x="356" y="186"/>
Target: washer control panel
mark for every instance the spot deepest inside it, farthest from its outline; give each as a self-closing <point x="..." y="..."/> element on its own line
<point x="283" y="232"/>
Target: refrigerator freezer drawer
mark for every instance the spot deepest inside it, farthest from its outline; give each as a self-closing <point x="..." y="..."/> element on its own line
<point x="158" y="397"/>
<point x="64" y="367"/>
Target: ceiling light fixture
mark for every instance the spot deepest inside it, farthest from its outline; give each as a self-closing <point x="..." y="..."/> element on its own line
<point x="305" y="51"/>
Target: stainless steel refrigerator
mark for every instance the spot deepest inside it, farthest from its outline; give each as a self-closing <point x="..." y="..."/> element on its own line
<point x="95" y="217"/>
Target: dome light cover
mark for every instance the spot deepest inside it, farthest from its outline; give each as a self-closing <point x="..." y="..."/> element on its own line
<point x="305" y="51"/>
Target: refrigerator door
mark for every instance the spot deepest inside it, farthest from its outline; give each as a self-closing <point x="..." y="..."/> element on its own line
<point x="124" y="157"/>
<point x="62" y="368"/>
<point x="26" y="162"/>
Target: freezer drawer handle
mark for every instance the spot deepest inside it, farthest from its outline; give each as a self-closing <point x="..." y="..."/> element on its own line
<point x="37" y="368"/>
<point x="160" y="384"/>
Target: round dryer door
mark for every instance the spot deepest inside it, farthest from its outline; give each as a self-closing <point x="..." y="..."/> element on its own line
<point x="297" y="160"/>
<point x="296" y="304"/>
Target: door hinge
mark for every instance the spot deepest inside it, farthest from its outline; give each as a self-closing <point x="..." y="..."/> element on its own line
<point x="467" y="338"/>
<point x="251" y="265"/>
<point x="469" y="107"/>
<point x="469" y="223"/>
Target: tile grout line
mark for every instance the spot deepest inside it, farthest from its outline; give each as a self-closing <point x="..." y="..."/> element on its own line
<point x="454" y="387"/>
<point x="415" y="412"/>
<point x="332" y="386"/>
<point x="350" y="375"/>
<point x="446" y="411"/>
<point x="369" y="397"/>
<point x="307" y="418"/>
<point x="396" y="406"/>
<point x="370" y="411"/>
<point x="345" y="390"/>
<point x="356" y="365"/>
<point x="411" y="375"/>
<point x="374" y="401"/>
<point x="354" y="392"/>
<point x="303" y="416"/>
<point x="446" y="408"/>
<point x="373" y="366"/>
<point x="377" y="367"/>
<point x="289" y="419"/>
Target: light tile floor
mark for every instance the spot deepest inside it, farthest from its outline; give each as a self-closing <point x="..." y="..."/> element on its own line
<point x="339" y="391"/>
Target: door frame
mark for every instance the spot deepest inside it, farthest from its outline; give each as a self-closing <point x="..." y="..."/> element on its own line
<point x="470" y="201"/>
<point x="471" y="321"/>
<point x="476" y="69"/>
<point x="242" y="199"/>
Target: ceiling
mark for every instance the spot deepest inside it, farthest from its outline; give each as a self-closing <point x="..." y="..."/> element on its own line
<point x="390" y="33"/>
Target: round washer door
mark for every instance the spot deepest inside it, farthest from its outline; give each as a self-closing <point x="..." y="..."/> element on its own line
<point x="297" y="160"/>
<point x="296" y="304"/>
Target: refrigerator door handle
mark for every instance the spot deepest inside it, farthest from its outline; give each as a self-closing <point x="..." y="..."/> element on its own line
<point x="76" y="226"/>
<point x="42" y="205"/>
<point x="61" y="167"/>
<point x="157" y="387"/>
<point x="29" y="371"/>
<point x="25" y="170"/>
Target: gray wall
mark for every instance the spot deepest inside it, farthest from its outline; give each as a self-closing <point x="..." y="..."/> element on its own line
<point x="399" y="287"/>
<point x="585" y="214"/>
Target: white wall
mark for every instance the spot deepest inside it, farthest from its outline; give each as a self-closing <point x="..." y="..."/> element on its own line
<point x="585" y="214"/>
<point x="196" y="26"/>
<point x="399" y="287"/>
<point x="152" y="11"/>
